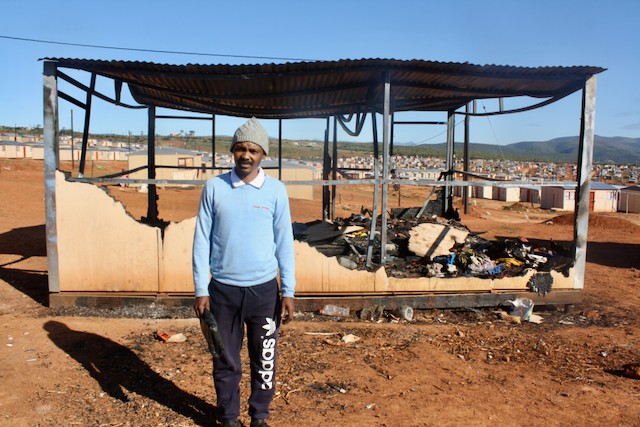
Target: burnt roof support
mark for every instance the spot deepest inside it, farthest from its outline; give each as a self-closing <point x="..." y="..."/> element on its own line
<point x="73" y="157"/>
<point x="447" y="200"/>
<point x="386" y="131"/>
<point x="213" y="141"/>
<point x="334" y="167"/>
<point x="465" y="196"/>
<point x="585" y="164"/>
<point x="391" y="137"/>
<point x="325" y="172"/>
<point x="359" y="122"/>
<point x="152" y="204"/>
<point x="51" y="164"/>
<point x="280" y="149"/>
<point x="374" y="211"/>
<point x="117" y="85"/>
<point x="87" y="119"/>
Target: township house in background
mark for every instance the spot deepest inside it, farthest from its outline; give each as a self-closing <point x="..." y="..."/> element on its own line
<point x="202" y="162"/>
<point x="603" y="198"/>
<point x="629" y="200"/>
<point x="29" y="147"/>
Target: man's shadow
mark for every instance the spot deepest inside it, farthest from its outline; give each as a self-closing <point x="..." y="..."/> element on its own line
<point x="116" y="368"/>
<point x="25" y="243"/>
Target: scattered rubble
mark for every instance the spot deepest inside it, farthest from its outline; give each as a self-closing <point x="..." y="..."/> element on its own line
<point x="404" y="313"/>
<point x="432" y="239"/>
<point x="171" y="337"/>
<point x="372" y="313"/>
<point x="432" y="246"/>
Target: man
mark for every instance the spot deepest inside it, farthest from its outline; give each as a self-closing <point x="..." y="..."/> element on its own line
<point x="243" y="239"/>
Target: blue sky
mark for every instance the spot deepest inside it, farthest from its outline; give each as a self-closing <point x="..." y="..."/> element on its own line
<point x="520" y="33"/>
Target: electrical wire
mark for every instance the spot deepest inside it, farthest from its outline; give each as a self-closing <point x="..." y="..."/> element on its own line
<point x="437" y="135"/>
<point x="493" y="131"/>
<point x="173" y="52"/>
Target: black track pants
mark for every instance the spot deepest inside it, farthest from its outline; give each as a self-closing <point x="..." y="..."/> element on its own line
<point x="257" y="307"/>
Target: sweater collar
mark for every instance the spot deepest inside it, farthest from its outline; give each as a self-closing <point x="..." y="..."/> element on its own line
<point x="257" y="182"/>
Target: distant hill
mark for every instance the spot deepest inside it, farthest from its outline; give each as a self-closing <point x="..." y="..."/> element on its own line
<point x="617" y="150"/>
<point x="606" y="149"/>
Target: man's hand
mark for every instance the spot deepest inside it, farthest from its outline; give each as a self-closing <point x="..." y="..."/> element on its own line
<point x="201" y="304"/>
<point x="287" y="310"/>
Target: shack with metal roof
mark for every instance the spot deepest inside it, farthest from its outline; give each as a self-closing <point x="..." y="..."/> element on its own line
<point x="144" y="261"/>
<point x="603" y="197"/>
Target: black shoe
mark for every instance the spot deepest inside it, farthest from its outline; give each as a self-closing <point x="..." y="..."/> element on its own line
<point x="255" y="422"/>
<point x="233" y="422"/>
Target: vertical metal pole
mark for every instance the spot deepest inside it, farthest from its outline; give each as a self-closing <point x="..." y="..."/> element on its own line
<point x="386" y="130"/>
<point x="334" y="167"/>
<point x="87" y="118"/>
<point x="325" y="174"/>
<point x="465" y="197"/>
<point x="152" y="205"/>
<point x="391" y="137"/>
<point x="213" y="141"/>
<point x="374" y="211"/>
<point x="280" y="149"/>
<point x="73" y="161"/>
<point x="51" y="164"/>
<point x="585" y="164"/>
<point x="446" y="197"/>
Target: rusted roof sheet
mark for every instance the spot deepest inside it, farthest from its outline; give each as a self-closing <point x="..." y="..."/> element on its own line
<point x="326" y="88"/>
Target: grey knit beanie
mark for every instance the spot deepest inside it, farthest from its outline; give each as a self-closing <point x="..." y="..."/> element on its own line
<point x="252" y="131"/>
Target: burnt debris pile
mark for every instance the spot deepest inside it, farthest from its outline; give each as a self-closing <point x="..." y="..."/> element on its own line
<point x="430" y="246"/>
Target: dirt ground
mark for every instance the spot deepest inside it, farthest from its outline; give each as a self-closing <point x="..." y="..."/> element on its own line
<point x="453" y="367"/>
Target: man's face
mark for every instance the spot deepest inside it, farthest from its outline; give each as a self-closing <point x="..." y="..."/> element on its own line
<point x="247" y="156"/>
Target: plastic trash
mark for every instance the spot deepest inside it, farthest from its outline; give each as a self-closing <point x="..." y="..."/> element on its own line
<point x="350" y="338"/>
<point x="522" y="307"/>
<point x="334" y="310"/>
<point x="171" y="337"/>
<point x="404" y="313"/>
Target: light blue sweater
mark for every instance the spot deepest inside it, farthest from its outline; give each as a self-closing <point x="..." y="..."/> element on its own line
<point x="243" y="235"/>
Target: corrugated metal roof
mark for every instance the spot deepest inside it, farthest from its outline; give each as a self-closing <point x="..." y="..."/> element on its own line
<point x="602" y="186"/>
<point x="16" y="143"/>
<point x="326" y="88"/>
<point x="160" y="150"/>
<point x="595" y="186"/>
